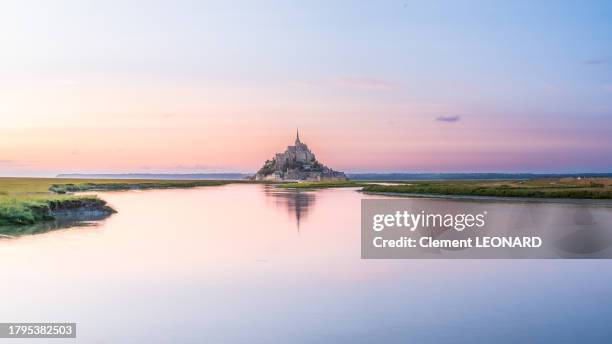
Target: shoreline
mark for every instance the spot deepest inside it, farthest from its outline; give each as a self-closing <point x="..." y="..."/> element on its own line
<point x="44" y="216"/>
<point x="63" y="188"/>
<point x="475" y="198"/>
<point x="41" y="202"/>
<point x="36" y="205"/>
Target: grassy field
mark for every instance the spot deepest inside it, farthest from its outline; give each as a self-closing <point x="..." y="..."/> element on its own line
<point x="109" y="185"/>
<point x="26" y="201"/>
<point x="573" y="188"/>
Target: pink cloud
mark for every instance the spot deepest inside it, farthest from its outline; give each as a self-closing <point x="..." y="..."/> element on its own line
<point x="367" y="83"/>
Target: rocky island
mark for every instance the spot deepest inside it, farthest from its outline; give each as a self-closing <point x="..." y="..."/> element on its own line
<point x="297" y="163"/>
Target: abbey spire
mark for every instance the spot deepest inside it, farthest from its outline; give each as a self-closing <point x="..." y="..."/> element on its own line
<point x="297" y="137"/>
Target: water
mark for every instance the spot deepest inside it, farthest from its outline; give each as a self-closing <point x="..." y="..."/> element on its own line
<point x="251" y="264"/>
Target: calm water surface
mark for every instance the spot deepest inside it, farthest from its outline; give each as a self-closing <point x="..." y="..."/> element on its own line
<point x="250" y="264"/>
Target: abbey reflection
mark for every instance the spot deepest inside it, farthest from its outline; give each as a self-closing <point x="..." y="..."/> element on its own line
<point x="296" y="202"/>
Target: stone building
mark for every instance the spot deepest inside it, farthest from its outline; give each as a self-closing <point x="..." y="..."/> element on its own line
<point x="297" y="163"/>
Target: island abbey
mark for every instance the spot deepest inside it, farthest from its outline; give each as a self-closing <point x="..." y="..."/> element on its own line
<point x="297" y="163"/>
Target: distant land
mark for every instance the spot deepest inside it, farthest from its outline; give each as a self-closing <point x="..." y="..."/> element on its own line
<point x="172" y="176"/>
<point x="476" y="176"/>
<point x="353" y="176"/>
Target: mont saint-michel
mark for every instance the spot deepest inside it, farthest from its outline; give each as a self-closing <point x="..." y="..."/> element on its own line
<point x="297" y="163"/>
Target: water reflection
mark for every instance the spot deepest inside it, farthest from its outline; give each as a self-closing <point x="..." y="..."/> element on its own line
<point x="9" y="232"/>
<point x="83" y="218"/>
<point x="583" y="235"/>
<point x="209" y="261"/>
<point x="296" y="202"/>
<point x="576" y="231"/>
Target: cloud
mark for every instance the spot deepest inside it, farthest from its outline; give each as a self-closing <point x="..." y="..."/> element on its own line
<point x="352" y="82"/>
<point x="177" y="168"/>
<point x="449" y="119"/>
<point x="599" y="61"/>
<point x="195" y="167"/>
<point x="65" y="82"/>
<point x="366" y="83"/>
<point x="10" y="162"/>
<point x="13" y="163"/>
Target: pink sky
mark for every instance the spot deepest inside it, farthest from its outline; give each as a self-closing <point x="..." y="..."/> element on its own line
<point x="201" y="135"/>
<point x="376" y="87"/>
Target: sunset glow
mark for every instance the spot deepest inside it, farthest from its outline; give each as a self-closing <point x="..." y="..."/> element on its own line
<point x="205" y="87"/>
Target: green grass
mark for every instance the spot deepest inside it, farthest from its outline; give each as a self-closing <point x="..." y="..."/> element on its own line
<point x="26" y="211"/>
<point x="28" y="201"/>
<point x="131" y="185"/>
<point x="595" y="188"/>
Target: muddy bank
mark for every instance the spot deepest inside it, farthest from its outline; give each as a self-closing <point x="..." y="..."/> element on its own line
<point x="80" y="209"/>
